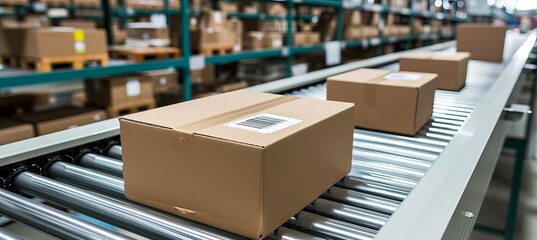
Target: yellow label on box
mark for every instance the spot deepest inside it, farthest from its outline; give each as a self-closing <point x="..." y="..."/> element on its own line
<point x="79" y="35"/>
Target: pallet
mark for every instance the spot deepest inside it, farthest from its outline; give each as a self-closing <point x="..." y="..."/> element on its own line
<point x="136" y="54"/>
<point x="10" y="60"/>
<point x="56" y="2"/>
<point x="117" y="111"/>
<point x="47" y="64"/>
<point x="210" y="49"/>
<point x="82" y="3"/>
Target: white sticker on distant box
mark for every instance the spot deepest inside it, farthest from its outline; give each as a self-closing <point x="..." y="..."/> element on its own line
<point x="264" y="123"/>
<point x="217" y="17"/>
<point x="403" y="76"/>
<point x="133" y="88"/>
<point x="163" y="81"/>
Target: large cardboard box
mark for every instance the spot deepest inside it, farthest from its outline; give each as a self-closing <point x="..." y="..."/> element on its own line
<point x="60" y="119"/>
<point x="484" y="42"/>
<point x="56" y="41"/>
<point x="163" y="80"/>
<point x="399" y="102"/>
<point x="13" y="131"/>
<point x="451" y="68"/>
<point x="119" y="91"/>
<point x="239" y="152"/>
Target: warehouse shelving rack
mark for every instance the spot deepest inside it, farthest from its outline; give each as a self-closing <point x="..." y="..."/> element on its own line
<point x="183" y="65"/>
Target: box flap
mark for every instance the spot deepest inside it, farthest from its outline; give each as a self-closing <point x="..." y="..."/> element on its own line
<point x="385" y="77"/>
<point x="457" y="56"/>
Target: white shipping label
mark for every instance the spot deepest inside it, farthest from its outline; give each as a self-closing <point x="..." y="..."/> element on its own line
<point x="197" y="62"/>
<point x="299" y="69"/>
<point x="333" y="53"/>
<point x="237" y="47"/>
<point x="97" y="117"/>
<point x="264" y="123"/>
<point x="163" y="81"/>
<point x="276" y="43"/>
<point x="217" y="17"/>
<point x="133" y="88"/>
<point x="80" y="47"/>
<point x="402" y="76"/>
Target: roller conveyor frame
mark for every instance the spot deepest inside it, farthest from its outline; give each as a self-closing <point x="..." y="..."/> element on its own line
<point x="400" y="187"/>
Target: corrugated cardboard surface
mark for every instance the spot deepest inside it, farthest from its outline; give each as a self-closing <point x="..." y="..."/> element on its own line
<point x="181" y="158"/>
<point x="163" y="80"/>
<point x="451" y="68"/>
<point x="78" y="23"/>
<point x="12" y="131"/>
<point x="114" y="91"/>
<point x="52" y="42"/>
<point x="484" y="42"/>
<point x="148" y="33"/>
<point x="398" y="106"/>
<point x="60" y="119"/>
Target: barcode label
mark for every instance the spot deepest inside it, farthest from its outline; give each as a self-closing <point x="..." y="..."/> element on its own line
<point x="264" y="123"/>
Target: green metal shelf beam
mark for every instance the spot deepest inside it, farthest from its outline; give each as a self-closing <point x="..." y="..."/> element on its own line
<point x="327" y="3"/>
<point x="244" y="55"/>
<point x="263" y="16"/>
<point x="306" y="49"/>
<point x="87" y="73"/>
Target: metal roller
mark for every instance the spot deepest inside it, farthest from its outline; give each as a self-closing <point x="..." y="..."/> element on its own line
<point x="102" y="163"/>
<point x="50" y="220"/>
<point x="87" y="178"/>
<point x="5" y="235"/>
<point x="117" y="212"/>
<point x="94" y="180"/>
<point x="378" y="189"/>
<point x="115" y="152"/>
<point x="331" y="227"/>
<point x="362" y="200"/>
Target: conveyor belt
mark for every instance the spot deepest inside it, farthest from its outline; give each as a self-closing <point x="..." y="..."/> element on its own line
<point x="386" y="168"/>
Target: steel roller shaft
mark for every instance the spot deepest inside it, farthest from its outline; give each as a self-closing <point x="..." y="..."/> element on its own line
<point x="103" y="163"/>
<point x="114" y="152"/>
<point x="5" y="235"/>
<point x="50" y="220"/>
<point x="114" y="211"/>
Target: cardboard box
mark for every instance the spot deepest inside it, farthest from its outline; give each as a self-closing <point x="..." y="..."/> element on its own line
<point x="272" y="40"/>
<point x="353" y="33"/>
<point x="313" y="38"/>
<point x="145" y="31"/>
<point x="352" y="18"/>
<point x="163" y="80"/>
<point x="327" y="26"/>
<point x="229" y="87"/>
<point x="56" y="41"/>
<point x="254" y="40"/>
<point x="77" y="23"/>
<point x="399" y="102"/>
<point x="276" y="9"/>
<point x="119" y="91"/>
<point x="50" y="121"/>
<point x="451" y="68"/>
<point x="230" y="7"/>
<point x="206" y="75"/>
<point x="13" y="131"/>
<point x="22" y="102"/>
<point x="213" y="19"/>
<point x="206" y="36"/>
<point x="248" y="166"/>
<point x="484" y="42"/>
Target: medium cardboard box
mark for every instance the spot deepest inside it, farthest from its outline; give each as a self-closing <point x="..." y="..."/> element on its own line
<point x="229" y="87"/>
<point x="276" y="9"/>
<point x="451" y="68"/>
<point x="56" y="41"/>
<point x="50" y="121"/>
<point x="163" y="80"/>
<point x="254" y="40"/>
<point x="213" y="19"/>
<point x="13" y="131"/>
<point x="254" y="145"/>
<point x="272" y="40"/>
<point x="313" y="38"/>
<point x="300" y="38"/>
<point x="397" y="102"/>
<point x="119" y="91"/>
<point x="77" y="23"/>
<point x="352" y="18"/>
<point x="484" y="42"/>
<point x="210" y="36"/>
<point x="148" y="32"/>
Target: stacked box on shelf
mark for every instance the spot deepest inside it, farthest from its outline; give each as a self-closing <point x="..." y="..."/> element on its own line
<point x="43" y="48"/>
<point x="327" y="26"/>
<point x="143" y="34"/>
<point x="230" y="7"/>
<point x="22" y="102"/>
<point x="213" y="34"/>
<point x="236" y="29"/>
<point x="436" y="26"/>
<point x="55" y="120"/>
<point x="352" y="25"/>
<point x="166" y="87"/>
<point x="261" y="70"/>
<point x="251" y="7"/>
<point x="13" y="131"/>
<point x="120" y="95"/>
<point x="370" y="21"/>
<point x="305" y="36"/>
<point x="277" y="9"/>
<point x="395" y="28"/>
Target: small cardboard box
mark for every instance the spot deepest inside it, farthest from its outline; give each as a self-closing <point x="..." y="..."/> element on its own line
<point x="399" y="102"/>
<point x="119" y="91"/>
<point x="56" y="41"/>
<point x="61" y="119"/>
<point x="206" y="36"/>
<point x="451" y="68"/>
<point x="484" y="42"/>
<point x="254" y="146"/>
<point x="13" y="131"/>
<point x="272" y="40"/>
<point x="78" y="23"/>
<point x="163" y="80"/>
<point x="146" y="31"/>
<point x="300" y="38"/>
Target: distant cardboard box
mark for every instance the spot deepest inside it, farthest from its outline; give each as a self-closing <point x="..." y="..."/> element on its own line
<point x="119" y="91"/>
<point x="163" y="80"/>
<point x="450" y="67"/>
<point x="240" y="148"/>
<point x="13" y="131"/>
<point x="484" y="42"/>
<point x="50" y="121"/>
<point x="398" y="102"/>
